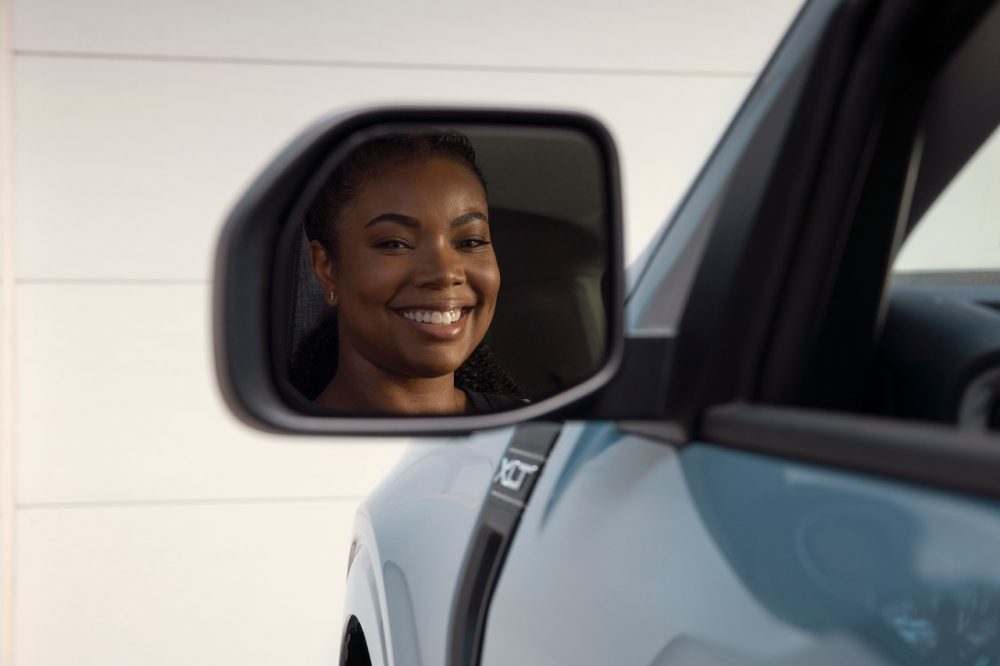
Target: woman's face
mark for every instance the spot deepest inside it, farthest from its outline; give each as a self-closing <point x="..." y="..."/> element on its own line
<point x="416" y="278"/>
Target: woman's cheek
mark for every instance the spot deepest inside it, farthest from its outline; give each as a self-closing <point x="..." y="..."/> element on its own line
<point x="487" y="273"/>
<point x="493" y="281"/>
<point x="377" y="277"/>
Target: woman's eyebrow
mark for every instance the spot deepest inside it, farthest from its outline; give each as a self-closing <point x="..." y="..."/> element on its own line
<point x="469" y="217"/>
<point x="394" y="217"/>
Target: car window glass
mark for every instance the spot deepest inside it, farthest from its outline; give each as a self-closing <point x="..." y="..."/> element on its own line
<point x="961" y="230"/>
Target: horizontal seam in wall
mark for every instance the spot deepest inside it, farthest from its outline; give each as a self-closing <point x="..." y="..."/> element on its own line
<point x="230" y="501"/>
<point x="114" y="281"/>
<point x="349" y="64"/>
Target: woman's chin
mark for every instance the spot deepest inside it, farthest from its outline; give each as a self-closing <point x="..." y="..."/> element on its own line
<point x="433" y="372"/>
<point x="433" y="368"/>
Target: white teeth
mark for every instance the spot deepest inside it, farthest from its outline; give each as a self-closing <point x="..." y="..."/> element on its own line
<point x="433" y="317"/>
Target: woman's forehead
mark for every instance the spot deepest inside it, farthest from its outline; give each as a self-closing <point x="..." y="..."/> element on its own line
<point x="435" y="183"/>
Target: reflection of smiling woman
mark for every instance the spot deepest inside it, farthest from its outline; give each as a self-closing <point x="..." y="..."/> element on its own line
<point x="400" y="241"/>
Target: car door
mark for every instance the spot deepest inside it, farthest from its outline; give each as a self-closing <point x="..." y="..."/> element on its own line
<point x="778" y="509"/>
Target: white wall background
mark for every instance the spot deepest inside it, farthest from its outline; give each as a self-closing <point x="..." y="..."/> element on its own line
<point x="141" y="523"/>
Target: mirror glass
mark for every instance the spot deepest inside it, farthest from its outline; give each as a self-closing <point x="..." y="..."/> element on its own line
<point x="444" y="270"/>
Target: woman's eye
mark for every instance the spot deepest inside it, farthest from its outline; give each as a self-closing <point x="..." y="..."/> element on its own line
<point x="473" y="243"/>
<point x="392" y="244"/>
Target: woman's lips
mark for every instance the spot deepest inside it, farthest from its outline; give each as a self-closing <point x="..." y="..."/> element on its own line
<point x="443" y="324"/>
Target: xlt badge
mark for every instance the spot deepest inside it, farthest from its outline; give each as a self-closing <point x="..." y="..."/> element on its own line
<point x="513" y="472"/>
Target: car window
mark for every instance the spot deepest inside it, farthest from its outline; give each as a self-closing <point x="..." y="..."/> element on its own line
<point x="939" y="353"/>
<point x="960" y="233"/>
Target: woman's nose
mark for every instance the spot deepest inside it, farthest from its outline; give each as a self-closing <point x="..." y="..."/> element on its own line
<point x="441" y="266"/>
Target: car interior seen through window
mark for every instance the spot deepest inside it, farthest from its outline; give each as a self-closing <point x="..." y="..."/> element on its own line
<point x="939" y="358"/>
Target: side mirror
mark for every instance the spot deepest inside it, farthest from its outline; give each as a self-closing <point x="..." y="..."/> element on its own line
<point x="418" y="271"/>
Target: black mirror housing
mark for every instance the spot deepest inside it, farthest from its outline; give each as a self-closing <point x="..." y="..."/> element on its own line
<point x="249" y="314"/>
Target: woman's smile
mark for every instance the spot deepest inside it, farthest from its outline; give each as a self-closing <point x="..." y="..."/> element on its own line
<point x="442" y="325"/>
<point x="433" y="316"/>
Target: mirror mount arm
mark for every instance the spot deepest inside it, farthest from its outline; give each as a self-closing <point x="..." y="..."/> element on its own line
<point x="639" y="390"/>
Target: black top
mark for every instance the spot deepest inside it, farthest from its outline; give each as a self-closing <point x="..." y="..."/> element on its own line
<point x="484" y="403"/>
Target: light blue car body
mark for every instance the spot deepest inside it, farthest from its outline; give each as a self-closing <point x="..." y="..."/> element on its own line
<point x="633" y="551"/>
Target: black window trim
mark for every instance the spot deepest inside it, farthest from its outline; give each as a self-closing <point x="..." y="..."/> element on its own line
<point x="929" y="453"/>
<point x="932" y="454"/>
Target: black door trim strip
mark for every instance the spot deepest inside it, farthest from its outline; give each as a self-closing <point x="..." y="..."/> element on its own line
<point x="510" y="489"/>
